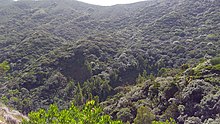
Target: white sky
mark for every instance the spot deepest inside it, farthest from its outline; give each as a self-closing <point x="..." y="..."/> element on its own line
<point x="109" y="2"/>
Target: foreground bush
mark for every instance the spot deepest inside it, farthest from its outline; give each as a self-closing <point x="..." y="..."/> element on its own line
<point x="89" y="114"/>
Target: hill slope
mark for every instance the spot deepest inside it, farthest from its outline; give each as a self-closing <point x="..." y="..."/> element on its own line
<point x="190" y="96"/>
<point x="67" y="50"/>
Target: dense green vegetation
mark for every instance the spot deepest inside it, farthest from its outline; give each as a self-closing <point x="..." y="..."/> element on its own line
<point x="215" y="61"/>
<point x="171" y="121"/>
<point x="144" y="115"/>
<point x="173" y="95"/>
<point x="89" y="114"/>
<point x="163" y="55"/>
<point x="4" y="66"/>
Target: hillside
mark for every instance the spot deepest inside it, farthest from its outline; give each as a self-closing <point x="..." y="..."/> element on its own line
<point x="191" y="96"/>
<point x="63" y="51"/>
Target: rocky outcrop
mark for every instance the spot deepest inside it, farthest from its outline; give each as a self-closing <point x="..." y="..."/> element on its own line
<point x="8" y="116"/>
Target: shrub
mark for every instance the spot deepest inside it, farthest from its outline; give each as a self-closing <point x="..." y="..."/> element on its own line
<point x="162" y="71"/>
<point x="216" y="67"/>
<point x="4" y="66"/>
<point x="185" y="66"/>
<point x="215" y="61"/>
<point x="144" y="116"/>
<point x="125" y="115"/>
<point x="89" y="114"/>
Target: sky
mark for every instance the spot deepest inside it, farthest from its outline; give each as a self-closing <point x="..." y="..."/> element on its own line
<point x="109" y="2"/>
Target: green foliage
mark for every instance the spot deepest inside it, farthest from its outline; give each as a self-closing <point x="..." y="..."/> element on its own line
<point x="171" y="111"/>
<point x="171" y="121"/>
<point x="79" y="97"/>
<point x="142" y="77"/>
<point x="198" y="68"/>
<point x="213" y="80"/>
<point x="152" y="77"/>
<point x="212" y="37"/>
<point x="4" y="66"/>
<point x="144" y="116"/>
<point x="214" y="68"/>
<point x="96" y="86"/>
<point x="162" y="71"/>
<point x="85" y="47"/>
<point x="4" y="99"/>
<point x="125" y="114"/>
<point x="185" y="66"/>
<point x="215" y="61"/>
<point x="89" y="114"/>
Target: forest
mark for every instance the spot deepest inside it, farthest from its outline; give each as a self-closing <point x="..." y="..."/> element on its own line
<point x="155" y="61"/>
